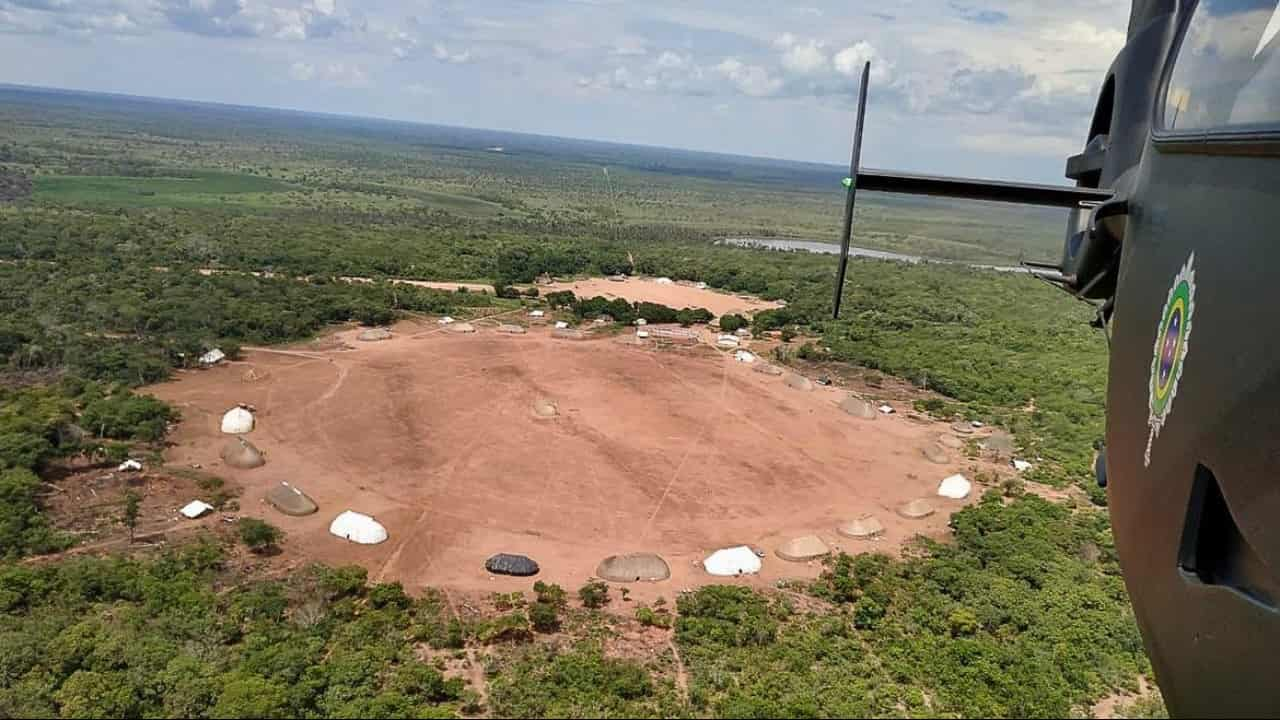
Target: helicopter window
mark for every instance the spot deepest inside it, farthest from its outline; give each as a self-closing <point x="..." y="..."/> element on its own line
<point x="1227" y="73"/>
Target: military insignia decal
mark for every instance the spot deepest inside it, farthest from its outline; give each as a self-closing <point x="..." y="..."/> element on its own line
<point x="1173" y="341"/>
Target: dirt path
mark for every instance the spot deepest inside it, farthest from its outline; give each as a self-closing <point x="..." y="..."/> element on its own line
<point x="682" y="675"/>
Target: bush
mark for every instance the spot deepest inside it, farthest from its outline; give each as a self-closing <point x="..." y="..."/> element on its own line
<point x="506" y="291"/>
<point x="531" y="292"/>
<point x="561" y="299"/>
<point x="258" y="535"/>
<point x="788" y="334"/>
<point x="23" y="529"/>
<point x="389" y="595"/>
<point x="594" y="594"/>
<point x="544" y="616"/>
<point x="732" y="322"/>
<point x="553" y="595"/>
<point x="651" y="618"/>
<point x="691" y="316"/>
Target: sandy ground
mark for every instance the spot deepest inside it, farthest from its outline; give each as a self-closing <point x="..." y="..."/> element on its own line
<point x="675" y="295"/>
<point x="678" y="452"/>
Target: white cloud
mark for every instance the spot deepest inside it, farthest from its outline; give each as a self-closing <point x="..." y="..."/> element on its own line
<point x="805" y="58"/>
<point x="1079" y="32"/>
<point x="1021" y="143"/>
<point x="345" y="74"/>
<point x="441" y="52"/>
<point x="625" y="46"/>
<point x="671" y="61"/>
<point x="302" y="71"/>
<point x="342" y="74"/>
<point x="850" y="61"/>
<point x="751" y="80"/>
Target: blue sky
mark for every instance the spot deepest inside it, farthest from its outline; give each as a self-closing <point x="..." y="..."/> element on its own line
<point x="1001" y="88"/>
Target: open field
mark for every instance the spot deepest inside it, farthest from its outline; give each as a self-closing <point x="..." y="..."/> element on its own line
<point x="100" y="150"/>
<point x="676" y="452"/>
<point x="676" y="295"/>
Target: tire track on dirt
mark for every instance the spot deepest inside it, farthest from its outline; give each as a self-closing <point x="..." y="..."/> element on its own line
<point x="698" y="444"/>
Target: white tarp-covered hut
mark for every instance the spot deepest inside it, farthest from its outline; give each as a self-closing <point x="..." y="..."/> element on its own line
<point x="129" y="465"/>
<point x="744" y="356"/>
<point x="664" y="281"/>
<point x="446" y="320"/>
<point x="561" y="325"/>
<point x="537" y="313"/>
<point x="1021" y="465"/>
<point x="731" y="562"/>
<point x="358" y="528"/>
<point x="956" y="487"/>
<point x="886" y="410"/>
<point x="727" y="341"/>
<point x="213" y="357"/>
<point x="237" y="421"/>
<point x="195" y="509"/>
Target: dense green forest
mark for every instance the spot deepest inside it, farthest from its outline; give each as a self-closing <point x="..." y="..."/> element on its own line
<point x="1024" y="615"/>
<point x="153" y="235"/>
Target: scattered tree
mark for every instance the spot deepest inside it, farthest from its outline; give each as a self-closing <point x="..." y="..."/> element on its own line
<point x="259" y="536"/>
<point x="132" y="507"/>
<point x="732" y="322"/>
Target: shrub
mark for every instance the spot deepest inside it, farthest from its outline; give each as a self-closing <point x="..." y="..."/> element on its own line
<point x="258" y="535"/>
<point x="389" y="595"/>
<point x="690" y="316"/>
<point x="594" y="594"/>
<point x="651" y="618"/>
<point x="732" y="322"/>
<point x="544" y="616"/>
<point x="561" y="299"/>
<point x="551" y="594"/>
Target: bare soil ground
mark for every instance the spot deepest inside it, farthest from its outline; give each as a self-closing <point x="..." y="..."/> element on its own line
<point x="87" y="501"/>
<point x="675" y="295"/>
<point x="678" y="452"/>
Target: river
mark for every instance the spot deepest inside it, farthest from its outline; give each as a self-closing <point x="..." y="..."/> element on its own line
<point x="813" y="246"/>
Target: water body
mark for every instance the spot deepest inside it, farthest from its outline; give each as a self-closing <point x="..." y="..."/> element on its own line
<point x="793" y="244"/>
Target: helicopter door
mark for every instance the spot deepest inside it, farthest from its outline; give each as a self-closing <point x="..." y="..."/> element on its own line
<point x="1193" y="434"/>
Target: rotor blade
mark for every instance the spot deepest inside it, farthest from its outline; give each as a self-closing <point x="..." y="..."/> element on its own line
<point x="974" y="189"/>
<point x="855" y="163"/>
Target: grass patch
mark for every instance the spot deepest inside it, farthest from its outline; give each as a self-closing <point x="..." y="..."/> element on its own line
<point x="201" y="189"/>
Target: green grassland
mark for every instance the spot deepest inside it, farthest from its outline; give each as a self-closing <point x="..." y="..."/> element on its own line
<point x="377" y="166"/>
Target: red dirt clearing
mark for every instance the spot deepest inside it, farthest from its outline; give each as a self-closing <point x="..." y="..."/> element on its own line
<point x="678" y="452"/>
<point x="676" y="295"/>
